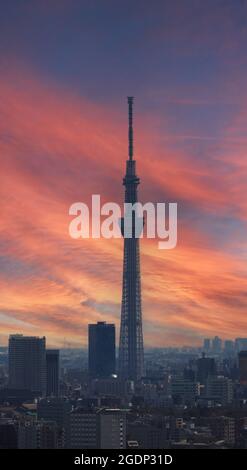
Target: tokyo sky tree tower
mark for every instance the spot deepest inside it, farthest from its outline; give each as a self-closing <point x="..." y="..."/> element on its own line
<point x="131" y="356"/>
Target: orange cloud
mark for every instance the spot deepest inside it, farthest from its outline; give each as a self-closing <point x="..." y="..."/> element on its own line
<point x="58" y="148"/>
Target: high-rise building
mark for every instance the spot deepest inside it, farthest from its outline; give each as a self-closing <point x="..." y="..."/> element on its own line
<point x="101" y="429"/>
<point x="228" y="346"/>
<point x="131" y="356"/>
<point x="205" y="368"/>
<point x="52" y="372"/>
<point x="219" y="389"/>
<point x="216" y="344"/>
<point x="27" y="363"/>
<point x="242" y="362"/>
<point x="241" y="344"/>
<point x="101" y="350"/>
<point x="206" y="345"/>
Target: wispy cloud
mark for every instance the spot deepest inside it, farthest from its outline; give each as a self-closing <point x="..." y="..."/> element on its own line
<point x="57" y="148"/>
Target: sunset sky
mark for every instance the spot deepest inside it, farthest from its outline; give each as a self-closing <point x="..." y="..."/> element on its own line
<point x="66" y="67"/>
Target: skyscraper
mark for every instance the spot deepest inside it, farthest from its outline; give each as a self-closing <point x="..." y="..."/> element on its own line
<point x="206" y="345"/>
<point x="205" y="368"/>
<point x="241" y="344"/>
<point x="216" y="344"/>
<point x="27" y="363"/>
<point x="131" y="356"/>
<point x="52" y="372"/>
<point x="228" y="346"/>
<point x="242" y="360"/>
<point x="101" y="350"/>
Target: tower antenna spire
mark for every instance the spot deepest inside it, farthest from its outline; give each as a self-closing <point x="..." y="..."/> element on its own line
<point x="131" y="356"/>
<point x="130" y="103"/>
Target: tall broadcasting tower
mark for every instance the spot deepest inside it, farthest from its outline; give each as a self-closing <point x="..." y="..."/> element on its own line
<point x="131" y="356"/>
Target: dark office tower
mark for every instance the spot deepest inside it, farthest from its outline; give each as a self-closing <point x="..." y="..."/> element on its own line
<point x="8" y="435"/>
<point x="52" y="372"/>
<point x="101" y="350"/>
<point x="242" y="362"/>
<point x="205" y="368"/>
<point x="27" y="363"/>
<point x="131" y="357"/>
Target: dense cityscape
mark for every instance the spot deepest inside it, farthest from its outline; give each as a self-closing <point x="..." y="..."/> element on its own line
<point x="162" y="399"/>
<point x="123" y="261"/>
<point x="189" y="397"/>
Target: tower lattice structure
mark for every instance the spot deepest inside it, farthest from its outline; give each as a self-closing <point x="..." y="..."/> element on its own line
<point x="131" y="355"/>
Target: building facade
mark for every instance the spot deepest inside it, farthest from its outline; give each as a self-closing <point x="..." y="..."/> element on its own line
<point x="52" y="372"/>
<point x="27" y="363"/>
<point x="101" y="350"/>
<point x="242" y="362"/>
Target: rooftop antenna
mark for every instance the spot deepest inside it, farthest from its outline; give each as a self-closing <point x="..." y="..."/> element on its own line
<point x="130" y="103"/>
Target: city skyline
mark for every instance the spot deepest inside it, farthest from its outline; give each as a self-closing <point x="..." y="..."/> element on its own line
<point x="63" y="138"/>
<point x="206" y="344"/>
<point x="53" y="399"/>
